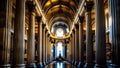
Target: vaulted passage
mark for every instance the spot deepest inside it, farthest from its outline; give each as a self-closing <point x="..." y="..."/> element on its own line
<point x="59" y="33"/>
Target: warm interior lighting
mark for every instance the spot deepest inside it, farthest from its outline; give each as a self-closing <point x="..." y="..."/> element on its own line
<point x="48" y="3"/>
<point x="59" y="32"/>
<point x="59" y="49"/>
<point x="67" y="30"/>
<point x="53" y="1"/>
<point x="110" y="21"/>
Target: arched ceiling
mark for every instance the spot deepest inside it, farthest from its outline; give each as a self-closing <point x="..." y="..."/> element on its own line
<point x="59" y="10"/>
<point x="58" y="25"/>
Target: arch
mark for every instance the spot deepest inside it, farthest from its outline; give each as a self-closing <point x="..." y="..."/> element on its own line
<point x="59" y="25"/>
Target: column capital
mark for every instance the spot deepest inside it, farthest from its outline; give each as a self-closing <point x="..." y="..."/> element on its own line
<point x="73" y="31"/>
<point x="71" y="35"/>
<point x="46" y="31"/>
<point x="38" y="18"/>
<point x="76" y="26"/>
<point x="52" y="40"/>
<point x="31" y="6"/>
<point x="81" y="18"/>
<point x="88" y="6"/>
<point x="48" y="35"/>
<point x="66" y="41"/>
<point x="43" y="26"/>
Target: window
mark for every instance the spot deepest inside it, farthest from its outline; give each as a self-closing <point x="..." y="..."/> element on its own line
<point x="59" y="32"/>
<point x="59" y="49"/>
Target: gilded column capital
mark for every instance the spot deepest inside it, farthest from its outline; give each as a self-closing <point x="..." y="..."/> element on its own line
<point x="81" y="18"/>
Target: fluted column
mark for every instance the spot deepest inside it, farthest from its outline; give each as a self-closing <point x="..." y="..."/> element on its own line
<point x="43" y="45"/>
<point x="81" y="43"/>
<point x="31" y="35"/>
<point x="69" y="49"/>
<point x="66" y="48"/>
<point x="114" y="8"/>
<point x="89" y="42"/>
<point x="5" y="33"/>
<point x="73" y="46"/>
<point x="76" y="43"/>
<point x="100" y="34"/>
<point x="19" y="28"/>
<point x="53" y="47"/>
<point x="39" y="46"/>
<point x="46" y="45"/>
<point x="48" y="48"/>
<point x="72" y="53"/>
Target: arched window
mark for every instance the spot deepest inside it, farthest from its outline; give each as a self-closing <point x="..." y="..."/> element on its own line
<point x="59" y="32"/>
<point x="59" y="49"/>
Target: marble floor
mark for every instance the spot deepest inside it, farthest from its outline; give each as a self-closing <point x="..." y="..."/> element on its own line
<point x="62" y="64"/>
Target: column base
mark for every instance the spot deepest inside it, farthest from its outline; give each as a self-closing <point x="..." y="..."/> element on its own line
<point x="73" y="62"/>
<point x="47" y="63"/>
<point x="43" y="64"/>
<point x="76" y="63"/>
<point x="100" y="66"/>
<point x="80" y="65"/>
<point x="89" y="65"/>
<point x="5" y="66"/>
<point x="19" y="66"/>
<point x="31" y="65"/>
<point x="39" y="65"/>
<point x="114" y="66"/>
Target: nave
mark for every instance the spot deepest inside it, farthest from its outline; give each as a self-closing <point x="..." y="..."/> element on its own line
<point x="60" y="33"/>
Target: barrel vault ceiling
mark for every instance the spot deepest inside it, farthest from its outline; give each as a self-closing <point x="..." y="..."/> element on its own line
<point x="59" y="10"/>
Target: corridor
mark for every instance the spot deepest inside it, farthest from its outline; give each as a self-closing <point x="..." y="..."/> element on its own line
<point x="59" y="33"/>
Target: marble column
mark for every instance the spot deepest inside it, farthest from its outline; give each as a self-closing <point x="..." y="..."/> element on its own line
<point x="65" y="46"/>
<point x="81" y="42"/>
<point x="72" y="53"/>
<point x="73" y="46"/>
<point x="43" y="45"/>
<point x="48" y="50"/>
<point x="19" y="31"/>
<point x="53" y="47"/>
<point x="89" y="42"/>
<point x="39" y="46"/>
<point x="114" y="8"/>
<point x="100" y="34"/>
<point x="46" y="35"/>
<point x="76" y="43"/>
<point x="5" y="33"/>
<point x="66" y="51"/>
<point x="31" y="35"/>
